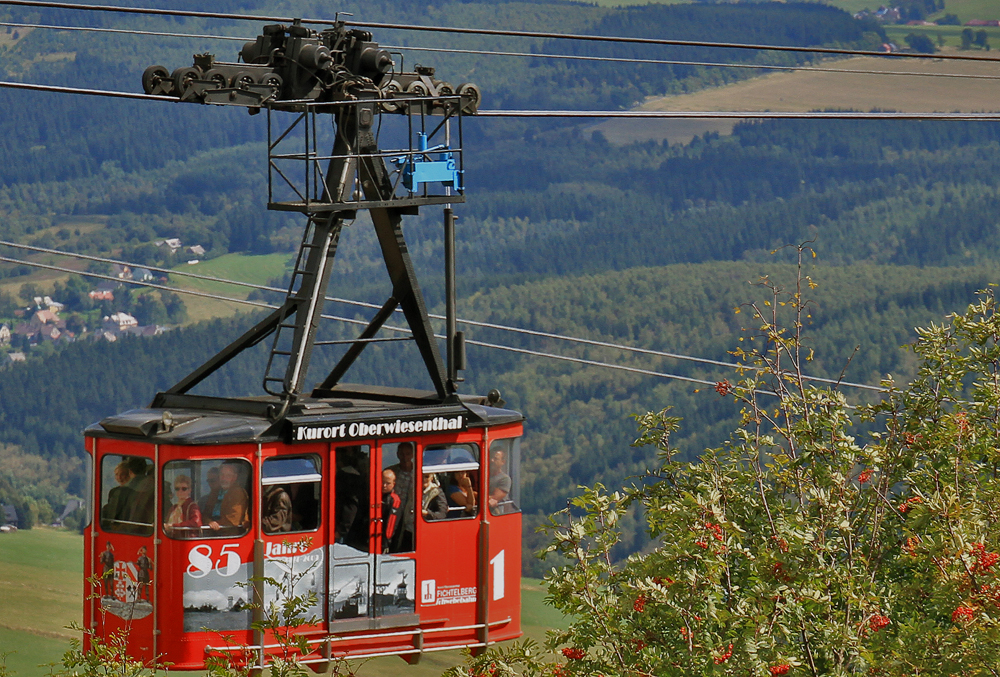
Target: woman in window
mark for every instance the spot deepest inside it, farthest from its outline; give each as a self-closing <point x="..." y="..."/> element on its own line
<point x="185" y="515"/>
<point x="461" y="493"/>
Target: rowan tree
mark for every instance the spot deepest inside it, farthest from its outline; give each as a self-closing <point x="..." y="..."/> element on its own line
<point x="794" y="548"/>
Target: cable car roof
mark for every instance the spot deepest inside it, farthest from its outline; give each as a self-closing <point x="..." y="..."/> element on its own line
<point x="353" y="413"/>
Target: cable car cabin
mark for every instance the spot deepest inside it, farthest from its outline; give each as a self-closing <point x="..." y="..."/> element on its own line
<point x="398" y="522"/>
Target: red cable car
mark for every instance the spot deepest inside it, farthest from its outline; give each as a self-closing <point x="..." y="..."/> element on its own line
<point x="392" y="514"/>
<point x="360" y="506"/>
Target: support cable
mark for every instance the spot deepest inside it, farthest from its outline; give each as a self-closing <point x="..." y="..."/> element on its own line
<point x="537" y="55"/>
<point x="473" y="323"/>
<point x="710" y="115"/>
<point x="261" y="304"/>
<point x="495" y="31"/>
<point x="670" y="62"/>
<point x="122" y="31"/>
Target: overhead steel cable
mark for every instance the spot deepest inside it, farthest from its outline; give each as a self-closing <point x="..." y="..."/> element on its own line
<point x="261" y="304"/>
<point x="672" y="62"/>
<point x="473" y="323"/>
<point x="87" y="92"/>
<point x="123" y="31"/>
<point x="619" y="39"/>
<point x="537" y="55"/>
<point x="711" y="115"/>
<point x="738" y="115"/>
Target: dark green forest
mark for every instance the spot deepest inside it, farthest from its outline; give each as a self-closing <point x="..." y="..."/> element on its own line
<point x="646" y="244"/>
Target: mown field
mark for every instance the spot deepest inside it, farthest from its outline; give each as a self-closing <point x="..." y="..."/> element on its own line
<point x="812" y="90"/>
<point x="41" y="593"/>
<point x="240" y="267"/>
<point x="964" y="9"/>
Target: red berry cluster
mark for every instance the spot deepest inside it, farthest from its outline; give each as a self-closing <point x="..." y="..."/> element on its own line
<point x="724" y="387"/>
<point x="963" y="422"/>
<point x="573" y="653"/>
<point x="724" y="656"/>
<point x="909" y="503"/>
<point x="639" y="644"/>
<point x="865" y="475"/>
<point x="984" y="559"/>
<point x="878" y="621"/>
<point x="640" y="603"/>
<point x="781" y="669"/>
<point x="963" y="614"/>
<point x="715" y="529"/>
<point x="910" y="438"/>
<point x="663" y="580"/>
<point x="782" y="543"/>
<point x="702" y="544"/>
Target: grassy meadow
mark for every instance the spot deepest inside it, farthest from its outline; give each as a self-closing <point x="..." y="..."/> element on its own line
<point x="813" y="90"/>
<point x="41" y="593"/>
<point x="240" y="267"/>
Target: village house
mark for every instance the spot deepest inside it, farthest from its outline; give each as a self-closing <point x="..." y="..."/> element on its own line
<point x="46" y="303"/>
<point x="119" y="322"/>
<point x="15" y="357"/>
<point x="197" y="250"/>
<point x="4" y="334"/>
<point x="122" y="272"/>
<point x="142" y="274"/>
<point x="173" y="242"/>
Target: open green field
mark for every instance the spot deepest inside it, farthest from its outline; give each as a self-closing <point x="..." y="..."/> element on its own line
<point x="950" y="35"/>
<point x="964" y="9"/>
<point x="815" y="90"/>
<point x="241" y="267"/>
<point x="41" y="584"/>
<point x="41" y="592"/>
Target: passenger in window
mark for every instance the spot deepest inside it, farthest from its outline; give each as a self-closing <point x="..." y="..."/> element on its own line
<point x="392" y="508"/>
<point x="351" y="518"/>
<point x="212" y="478"/>
<point x="403" y="539"/>
<point x="142" y="484"/>
<point x="184" y="519"/>
<point x="230" y="507"/>
<point x="305" y="507"/>
<point x="500" y="482"/>
<point x="435" y="507"/>
<point x="461" y="494"/>
<point x="276" y="510"/>
<point x="119" y="504"/>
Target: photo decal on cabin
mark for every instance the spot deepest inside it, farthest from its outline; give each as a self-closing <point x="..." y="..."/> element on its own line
<point x="296" y="572"/>
<point x="216" y="589"/>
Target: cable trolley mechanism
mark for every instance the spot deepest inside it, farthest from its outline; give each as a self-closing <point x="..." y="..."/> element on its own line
<point x="395" y="510"/>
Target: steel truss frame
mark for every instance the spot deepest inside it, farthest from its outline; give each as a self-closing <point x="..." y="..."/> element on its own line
<point x="334" y="187"/>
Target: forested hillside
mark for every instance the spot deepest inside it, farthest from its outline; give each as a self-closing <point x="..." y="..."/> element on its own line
<point x="578" y="427"/>
<point x="646" y="244"/>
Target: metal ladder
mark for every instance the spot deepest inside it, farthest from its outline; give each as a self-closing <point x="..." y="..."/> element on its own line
<point x="294" y="336"/>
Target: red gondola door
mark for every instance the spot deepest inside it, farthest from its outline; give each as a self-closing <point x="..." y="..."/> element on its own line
<point x="123" y="549"/>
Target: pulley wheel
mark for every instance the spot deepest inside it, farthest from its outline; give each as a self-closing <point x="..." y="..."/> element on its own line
<point x="182" y="78"/>
<point x="242" y="80"/>
<point x="272" y="80"/>
<point x="390" y="91"/>
<point x="417" y="88"/>
<point x="470" y="92"/>
<point x="152" y="77"/>
<point x="217" y="77"/>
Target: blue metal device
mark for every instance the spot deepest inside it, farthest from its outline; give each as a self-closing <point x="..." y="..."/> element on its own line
<point x="417" y="170"/>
